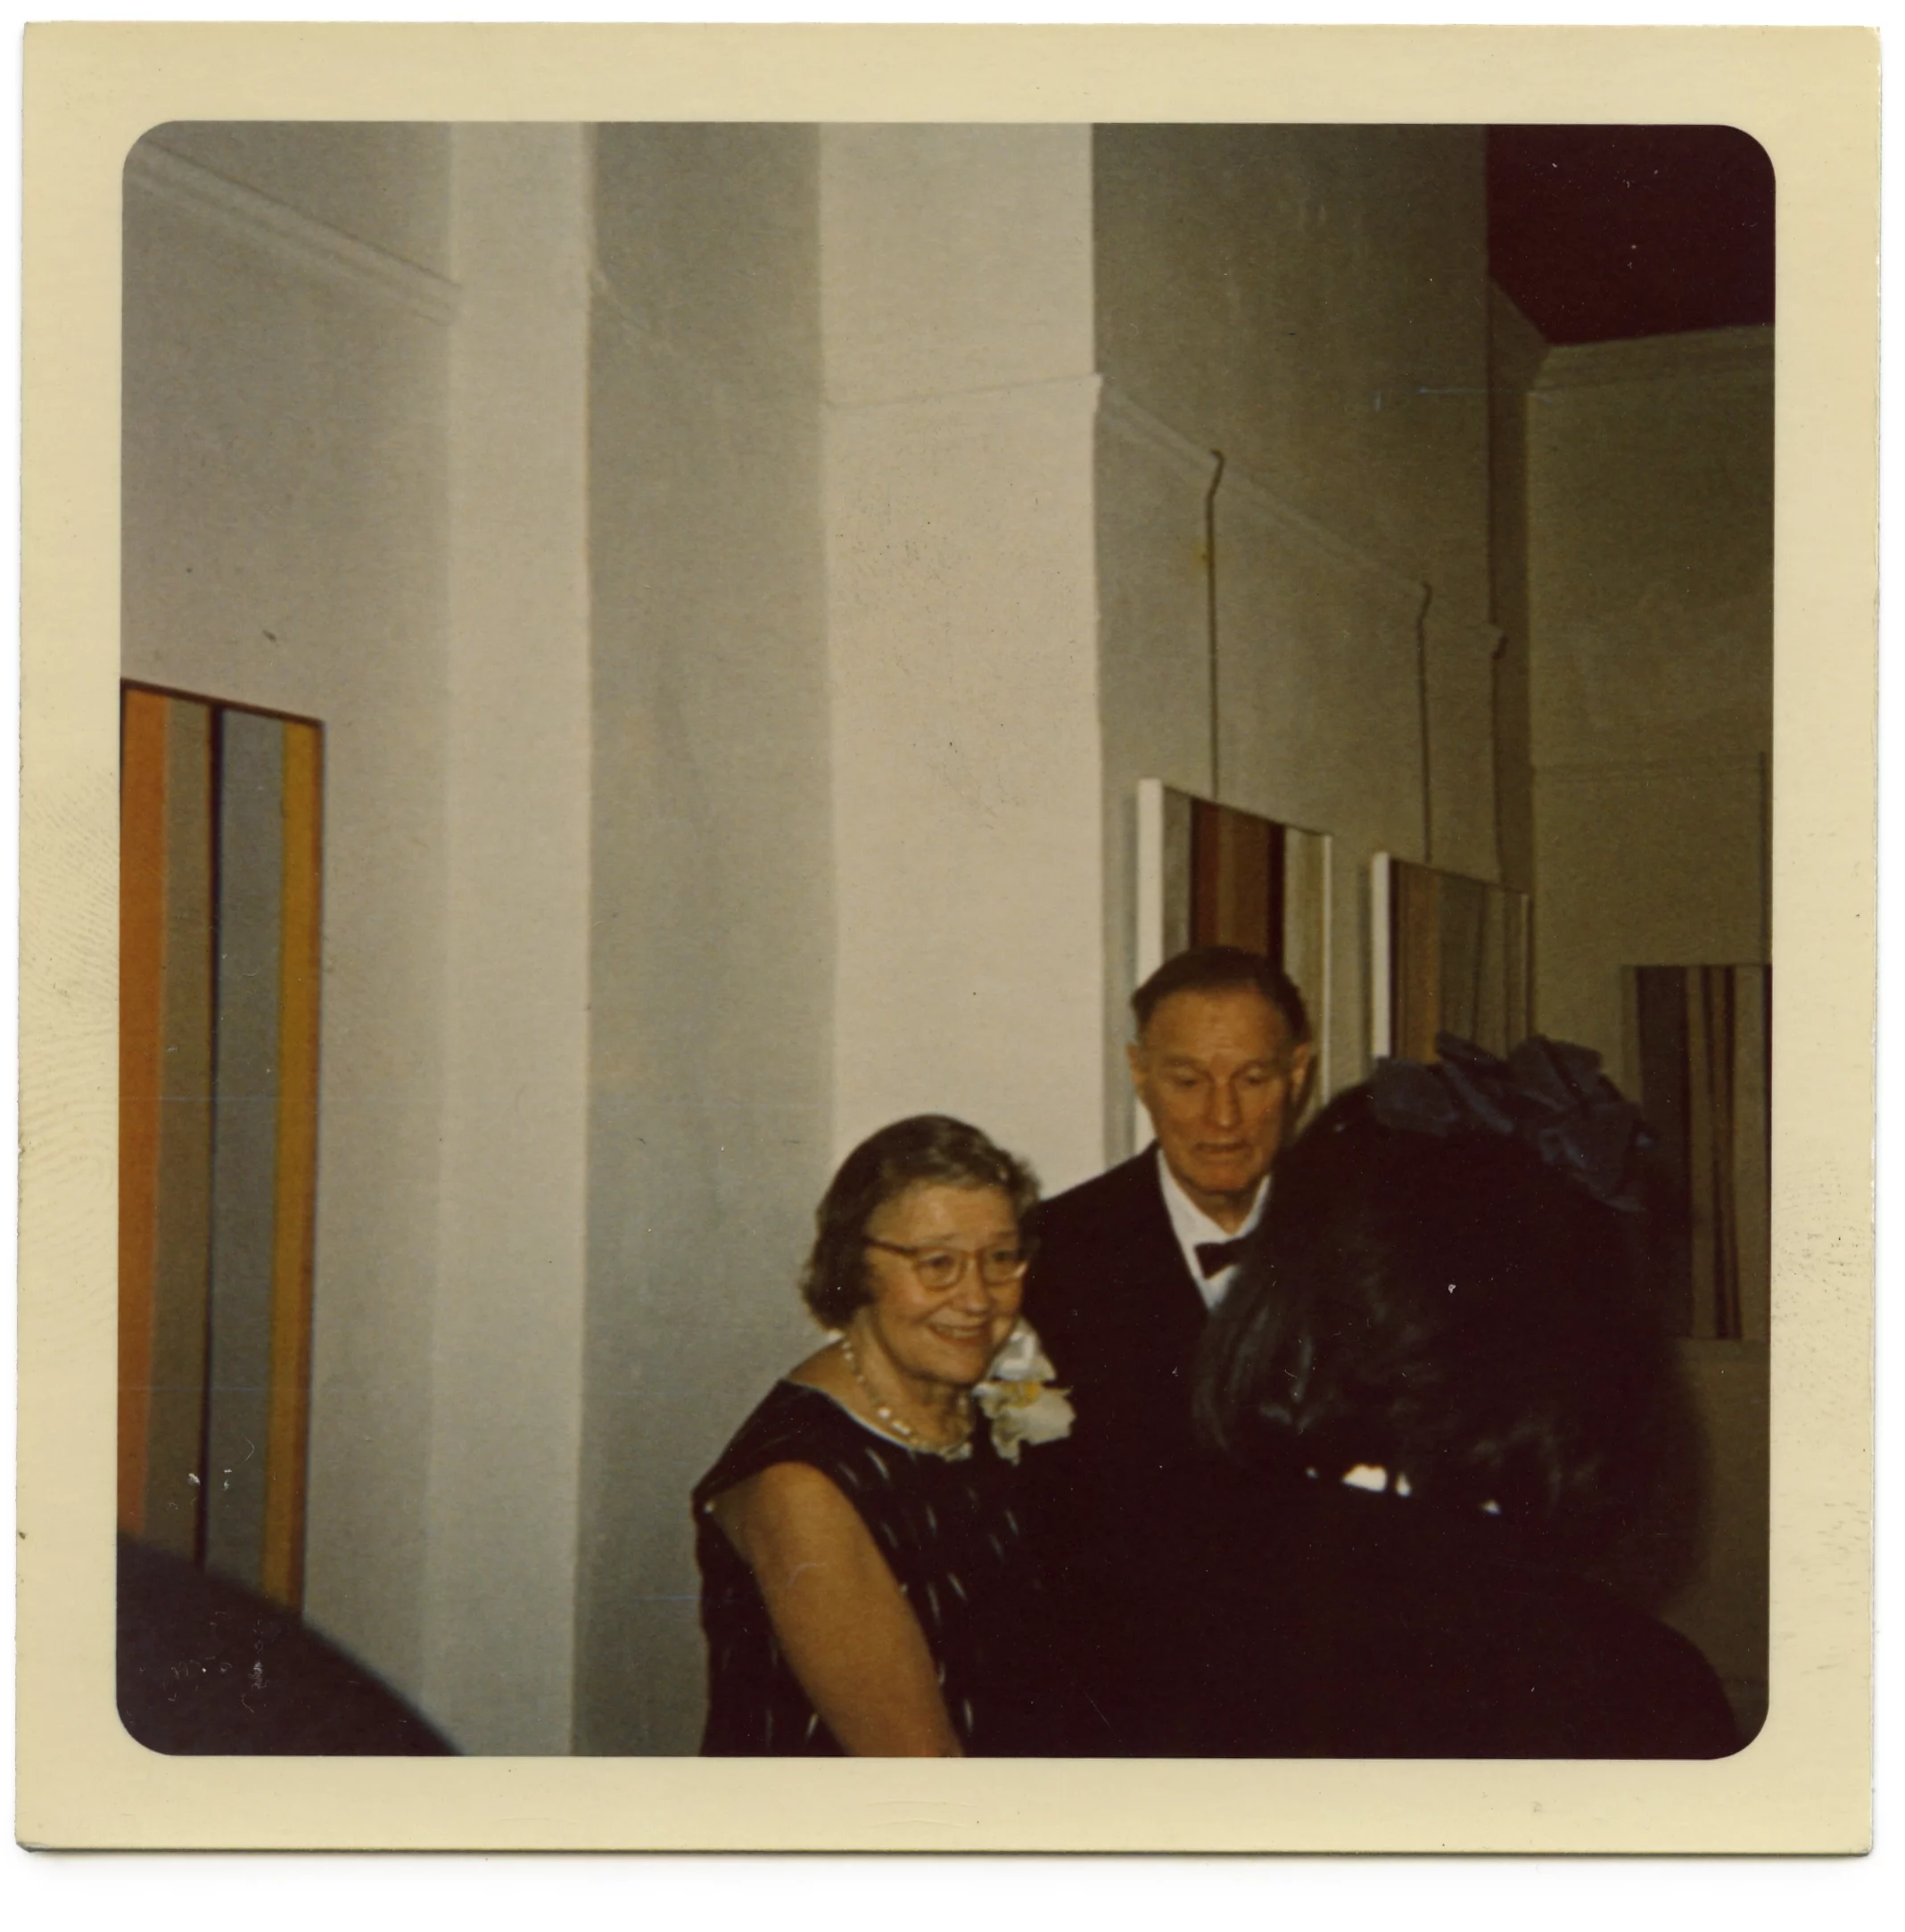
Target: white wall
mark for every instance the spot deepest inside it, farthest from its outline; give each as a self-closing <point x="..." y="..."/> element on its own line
<point x="504" y="1468"/>
<point x="385" y="183"/>
<point x="846" y="851"/>
<point x="355" y="490"/>
<point x="286" y="544"/>
<point x="712" y="919"/>
<point x="1649" y="532"/>
<point x="1650" y="615"/>
<point x="1516" y="349"/>
<point x="731" y="459"/>
<point x="1309" y="302"/>
<point x="956" y="306"/>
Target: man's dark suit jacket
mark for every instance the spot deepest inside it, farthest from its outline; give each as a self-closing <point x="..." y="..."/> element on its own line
<point x="1120" y="1318"/>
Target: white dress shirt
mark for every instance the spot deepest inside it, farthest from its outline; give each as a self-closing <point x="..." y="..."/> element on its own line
<point x="1191" y="1226"/>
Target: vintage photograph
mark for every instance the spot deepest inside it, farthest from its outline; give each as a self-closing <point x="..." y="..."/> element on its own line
<point x="946" y="939"/>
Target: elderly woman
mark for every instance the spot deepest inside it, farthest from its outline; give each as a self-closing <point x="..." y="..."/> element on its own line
<point x="865" y="1585"/>
<point x="1435" y="1412"/>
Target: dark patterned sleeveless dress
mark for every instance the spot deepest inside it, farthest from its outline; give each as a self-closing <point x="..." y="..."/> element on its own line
<point x="953" y="1538"/>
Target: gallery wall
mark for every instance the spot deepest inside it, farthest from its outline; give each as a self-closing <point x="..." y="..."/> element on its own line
<point x="286" y="394"/>
<point x="1650" y="620"/>
<point x="355" y="490"/>
<point x="846" y="761"/>
<point x="507" y="1361"/>
<point x="712" y="929"/>
<point x="1308" y="305"/>
<point x="510" y="454"/>
<point x="956" y="275"/>
<point x="1516" y="349"/>
<point x="1649" y="601"/>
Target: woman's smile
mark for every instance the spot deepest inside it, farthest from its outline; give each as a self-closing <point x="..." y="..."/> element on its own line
<point x="932" y="1343"/>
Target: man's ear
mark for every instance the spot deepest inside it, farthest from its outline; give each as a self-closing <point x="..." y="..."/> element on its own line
<point x="1302" y="1074"/>
<point x="1134" y="1060"/>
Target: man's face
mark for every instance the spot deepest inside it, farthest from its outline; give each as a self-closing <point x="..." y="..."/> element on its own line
<point x="1223" y="1082"/>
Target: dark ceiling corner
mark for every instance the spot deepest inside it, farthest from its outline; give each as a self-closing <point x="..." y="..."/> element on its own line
<point x="1597" y="233"/>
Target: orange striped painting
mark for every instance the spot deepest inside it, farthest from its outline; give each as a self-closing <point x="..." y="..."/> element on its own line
<point x="221" y="809"/>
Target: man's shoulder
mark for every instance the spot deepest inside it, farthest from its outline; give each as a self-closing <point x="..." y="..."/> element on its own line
<point x="1110" y="1288"/>
<point x="1131" y="1185"/>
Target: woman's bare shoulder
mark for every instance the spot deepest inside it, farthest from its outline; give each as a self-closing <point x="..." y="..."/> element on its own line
<point x="793" y="1500"/>
<point x="825" y="1369"/>
<point x="784" y="1507"/>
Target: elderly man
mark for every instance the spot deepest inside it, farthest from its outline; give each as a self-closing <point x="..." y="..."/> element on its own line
<point x="1128" y="1267"/>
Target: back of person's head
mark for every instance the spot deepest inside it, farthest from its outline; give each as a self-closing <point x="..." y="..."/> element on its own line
<point x="1221" y="969"/>
<point x="1439" y="1299"/>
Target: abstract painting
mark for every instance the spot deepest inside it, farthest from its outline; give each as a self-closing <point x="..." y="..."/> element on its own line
<point x="1214" y="875"/>
<point x="219" y="874"/>
<point x="1448" y="955"/>
<point x="1702" y="1040"/>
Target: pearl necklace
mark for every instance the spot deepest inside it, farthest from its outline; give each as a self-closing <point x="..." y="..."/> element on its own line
<point x="904" y="1430"/>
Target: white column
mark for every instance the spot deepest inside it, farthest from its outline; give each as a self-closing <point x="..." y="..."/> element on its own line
<point x="956" y="313"/>
<point x="501" y="1565"/>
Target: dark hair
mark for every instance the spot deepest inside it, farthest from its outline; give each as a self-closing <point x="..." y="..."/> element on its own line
<point x="1218" y="969"/>
<point x="926" y="1148"/>
<point x="1457" y="1310"/>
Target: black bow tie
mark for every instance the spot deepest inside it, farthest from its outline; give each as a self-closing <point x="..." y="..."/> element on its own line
<point x="1214" y="1256"/>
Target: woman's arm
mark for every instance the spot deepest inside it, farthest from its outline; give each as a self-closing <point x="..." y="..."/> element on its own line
<point x="849" y="1634"/>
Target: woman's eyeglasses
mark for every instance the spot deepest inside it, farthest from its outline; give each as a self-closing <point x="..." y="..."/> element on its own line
<point x="944" y="1268"/>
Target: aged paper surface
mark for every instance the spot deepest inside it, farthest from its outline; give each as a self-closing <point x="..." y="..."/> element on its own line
<point x="1809" y="97"/>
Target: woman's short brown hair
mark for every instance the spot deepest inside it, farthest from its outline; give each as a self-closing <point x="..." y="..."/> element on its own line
<point x="928" y="1148"/>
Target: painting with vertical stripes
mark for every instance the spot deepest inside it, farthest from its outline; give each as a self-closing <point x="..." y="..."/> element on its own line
<point x="221" y="810"/>
<point x="1701" y="1038"/>
<point x="1211" y="874"/>
<point x="1448" y="955"/>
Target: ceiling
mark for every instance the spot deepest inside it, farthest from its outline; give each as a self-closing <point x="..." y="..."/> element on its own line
<point x="1601" y="233"/>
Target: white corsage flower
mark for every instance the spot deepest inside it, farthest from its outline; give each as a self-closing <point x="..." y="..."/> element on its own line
<point x="1018" y="1397"/>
